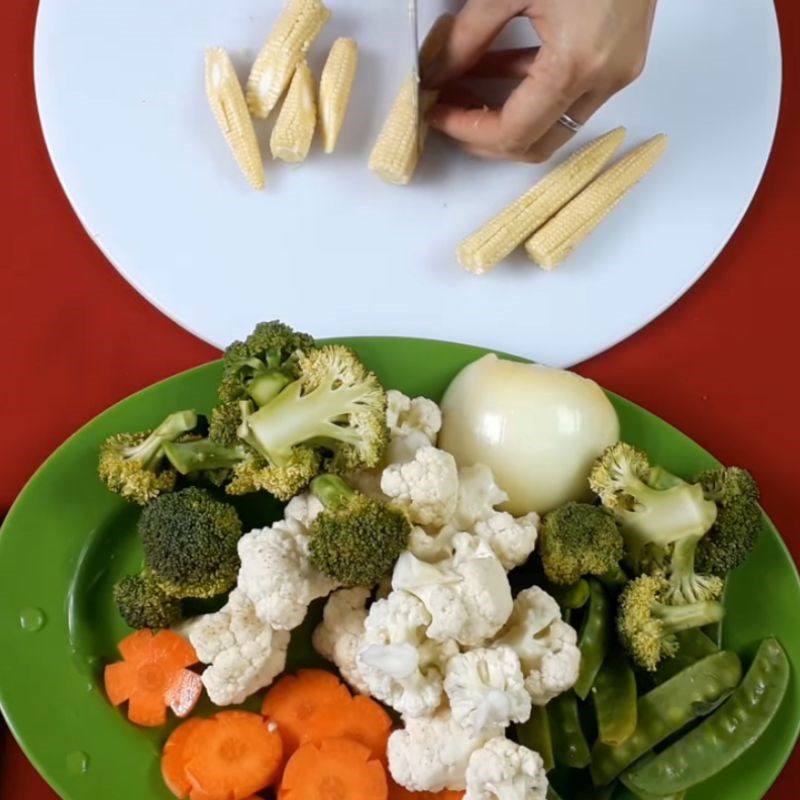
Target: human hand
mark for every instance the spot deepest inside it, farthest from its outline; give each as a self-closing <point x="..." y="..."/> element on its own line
<point x="590" y="49"/>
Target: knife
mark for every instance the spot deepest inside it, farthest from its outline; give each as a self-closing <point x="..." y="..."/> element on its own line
<point x="413" y="15"/>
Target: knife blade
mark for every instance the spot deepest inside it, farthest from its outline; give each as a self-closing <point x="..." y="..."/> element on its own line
<point x="413" y="15"/>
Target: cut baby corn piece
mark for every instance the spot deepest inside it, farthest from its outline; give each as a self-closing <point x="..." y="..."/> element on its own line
<point x="335" y="86"/>
<point x="488" y="246"/>
<point x="298" y="25"/>
<point x="294" y="129"/>
<point x="554" y="241"/>
<point x="397" y="151"/>
<point x="226" y="98"/>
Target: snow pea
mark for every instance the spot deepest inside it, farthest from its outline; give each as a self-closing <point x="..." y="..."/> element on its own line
<point x="693" y="645"/>
<point x="573" y="596"/>
<point x="638" y="794"/>
<point x="569" y="742"/>
<point x="594" y="638"/>
<point x="614" y="695"/>
<point x="726" y="734"/>
<point x="535" y="735"/>
<point x="665" y="709"/>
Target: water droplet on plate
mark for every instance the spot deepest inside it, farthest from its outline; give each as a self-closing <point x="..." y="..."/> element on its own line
<point x="32" y="619"/>
<point x="78" y="763"/>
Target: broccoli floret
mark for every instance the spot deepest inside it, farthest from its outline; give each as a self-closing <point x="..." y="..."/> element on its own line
<point x="332" y="417"/>
<point x="579" y="539"/>
<point x="261" y="365"/>
<point x="189" y="540"/>
<point x="355" y="540"/>
<point x="738" y="523"/>
<point x="203" y="456"/>
<point x="662" y="519"/>
<point x="142" y="603"/>
<point x="133" y="465"/>
<point x="647" y="623"/>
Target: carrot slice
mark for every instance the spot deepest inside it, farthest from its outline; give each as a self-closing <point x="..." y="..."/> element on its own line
<point x="294" y="698"/>
<point x="173" y="764"/>
<point x="397" y="792"/>
<point x="152" y="676"/>
<point x="232" y="756"/>
<point x="359" y="719"/>
<point x="335" y="768"/>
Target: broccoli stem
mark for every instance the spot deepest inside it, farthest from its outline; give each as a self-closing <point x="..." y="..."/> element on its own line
<point x="149" y="452"/>
<point x="267" y="385"/>
<point x="693" y="615"/>
<point x="331" y="490"/>
<point x="202" y="455"/>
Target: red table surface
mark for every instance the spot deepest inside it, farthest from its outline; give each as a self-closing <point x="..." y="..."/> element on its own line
<point x="75" y="337"/>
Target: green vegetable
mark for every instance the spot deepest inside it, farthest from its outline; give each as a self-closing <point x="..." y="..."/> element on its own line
<point x="665" y="710"/>
<point x="261" y="365"/>
<point x="579" y="539"/>
<point x="662" y="519"/>
<point x="535" y="735"/>
<point x="333" y="417"/>
<point x="570" y="747"/>
<point x="356" y="539"/>
<point x="646" y="795"/>
<point x="203" y="456"/>
<point x="574" y="596"/>
<point x="133" y="464"/>
<point x="692" y="646"/>
<point x="594" y="639"/>
<point x="647" y="624"/>
<point x="726" y="734"/>
<point x="189" y="541"/>
<point x="738" y="522"/>
<point x="614" y="695"/>
<point x="142" y="603"/>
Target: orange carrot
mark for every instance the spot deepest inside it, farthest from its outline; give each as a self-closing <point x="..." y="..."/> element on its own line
<point x="294" y="698"/>
<point x="359" y="719"/>
<point x="231" y="756"/>
<point x="397" y="792"/>
<point x="173" y="764"/>
<point x="153" y="676"/>
<point x="335" y="768"/>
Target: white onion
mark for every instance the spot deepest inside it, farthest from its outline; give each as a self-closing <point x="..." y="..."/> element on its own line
<point x="538" y="428"/>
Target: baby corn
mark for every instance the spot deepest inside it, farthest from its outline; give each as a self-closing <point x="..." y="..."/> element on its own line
<point x="294" y="32"/>
<point x="553" y="242"/>
<point x="294" y="129"/>
<point x="397" y="151"/>
<point x="226" y="98"/>
<point x="335" y="86"/>
<point x="487" y="247"/>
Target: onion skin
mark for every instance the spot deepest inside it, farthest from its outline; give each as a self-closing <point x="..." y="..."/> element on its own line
<point x="538" y="428"/>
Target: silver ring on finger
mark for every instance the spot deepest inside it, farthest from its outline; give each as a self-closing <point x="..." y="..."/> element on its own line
<point x="569" y="123"/>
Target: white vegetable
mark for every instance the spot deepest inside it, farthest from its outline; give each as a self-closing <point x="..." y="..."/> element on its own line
<point x="427" y="486"/>
<point x="546" y="646"/>
<point x="405" y="416"/>
<point x="539" y="429"/>
<point x="468" y="597"/>
<point x="431" y="753"/>
<point x="398" y="663"/>
<point x="512" y="540"/>
<point x="243" y="652"/>
<point x="431" y="547"/>
<point x="277" y="576"/>
<point x="503" y="770"/>
<point x="478" y="496"/>
<point x="486" y="687"/>
<point x="305" y="508"/>
<point x="339" y="636"/>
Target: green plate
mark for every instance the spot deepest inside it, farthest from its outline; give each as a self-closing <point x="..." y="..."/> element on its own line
<point x="67" y="539"/>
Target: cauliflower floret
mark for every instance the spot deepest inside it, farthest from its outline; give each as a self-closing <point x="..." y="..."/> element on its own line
<point x="305" y="508"/>
<point x="511" y="539"/>
<point x="244" y="653"/>
<point x="338" y="637"/>
<point x="399" y="664"/>
<point x="467" y="596"/>
<point x="427" y="486"/>
<point x="504" y="770"/>
<point x="405" y="416"/>
<point x="277" y="576"/>
<point x="431" y="547"/>
<point x="546" y="646"/>
<point x="478" y="495"/>
<point x="431" y="754"/>
<point x="486" y="687"/>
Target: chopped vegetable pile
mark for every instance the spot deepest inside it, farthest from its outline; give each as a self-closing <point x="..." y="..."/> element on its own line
<point x="495" y="654"/>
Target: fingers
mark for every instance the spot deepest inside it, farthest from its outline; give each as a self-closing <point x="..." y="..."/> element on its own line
<point x="505" y="63"/>
<point x="474" y="28"/>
